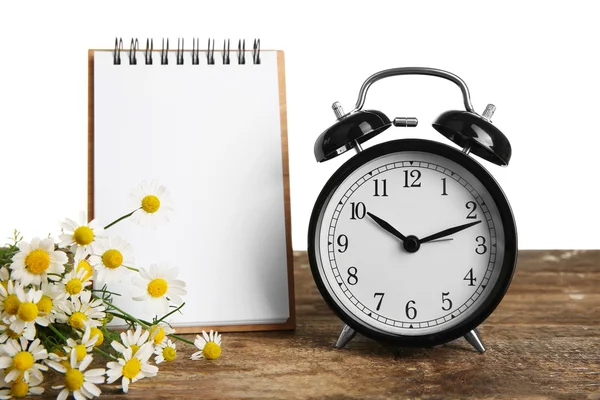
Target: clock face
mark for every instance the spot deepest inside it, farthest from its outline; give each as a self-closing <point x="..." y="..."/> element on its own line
<point x="413" y="240"/>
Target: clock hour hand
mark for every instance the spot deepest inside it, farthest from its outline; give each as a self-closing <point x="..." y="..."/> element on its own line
<point x="385" y="225"/>
<point x="449" y="231"/>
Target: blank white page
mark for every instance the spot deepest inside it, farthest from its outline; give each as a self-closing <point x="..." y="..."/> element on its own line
<point x="211" y="134"/>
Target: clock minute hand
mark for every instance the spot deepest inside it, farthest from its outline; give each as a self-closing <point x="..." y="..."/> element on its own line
<point x="385" y="225"/>
<point x="449" y="231"/>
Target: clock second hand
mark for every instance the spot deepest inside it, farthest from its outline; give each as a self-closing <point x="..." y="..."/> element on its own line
<point x="440" y="240"/>
<point x="448" y="232"/>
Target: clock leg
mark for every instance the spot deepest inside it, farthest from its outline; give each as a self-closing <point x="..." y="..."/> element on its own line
<point x="345" y="336"/>
<point x="475" y="340"/>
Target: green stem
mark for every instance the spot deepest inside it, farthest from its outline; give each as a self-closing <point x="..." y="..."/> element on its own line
<point x="172" y="312"/>
<point x="134" y="319"/>
<point x="126" y="318"/>
<point x="181" y="339"/>
<point x="121" y="219"/>
<point x="105" y="291"/>
<point x="105" y="354"/>
<point x="60" y="335"/>
<point x="131" y="268"/>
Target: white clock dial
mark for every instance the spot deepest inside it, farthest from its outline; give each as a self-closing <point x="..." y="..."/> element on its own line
<point x="375" y="276"/>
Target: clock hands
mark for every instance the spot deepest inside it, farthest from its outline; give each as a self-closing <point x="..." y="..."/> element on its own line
<point x="413" y="243"/>
<point x="385" y="225"/>
<point x="449" y="231"/>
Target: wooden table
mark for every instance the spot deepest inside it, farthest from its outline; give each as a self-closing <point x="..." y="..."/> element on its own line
<point x="542" y="342"/>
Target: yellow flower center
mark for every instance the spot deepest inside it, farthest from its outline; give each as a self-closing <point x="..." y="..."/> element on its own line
<point x="157" y="287"/>
<point x="74" y="286"/>
<point x="23" y="361"/>
<point x="94" y="332"/>
<point x="37" y="261"/>
<point x="83" y="236"/>
<point x="77" y="320"/>
<point x="44" y="305"/>
<point x="80" y="351"/>
<point x="19" y="389"/>
<point x="112" y="258"/>
<point x="73" y="379"/>
<point x="134" y="349"/>
<point x="211" y="351"/>
<point x="28" y="312"/>
<point x="158" y="332"/>
<point x="169" y="353"/>
<point x="11" y="304"/>
<point x="150" y="204"/>
<point x="132" y="368"/>
<point x="83" y="264"/>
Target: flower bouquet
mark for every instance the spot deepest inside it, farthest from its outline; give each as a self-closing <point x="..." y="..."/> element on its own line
<point x="53" y="320"/>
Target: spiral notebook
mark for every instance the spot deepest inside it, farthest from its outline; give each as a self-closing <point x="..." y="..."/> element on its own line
<point x="209" y="125"/>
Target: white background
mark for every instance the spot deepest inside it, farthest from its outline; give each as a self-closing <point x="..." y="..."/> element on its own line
<point x="536" y="61"/>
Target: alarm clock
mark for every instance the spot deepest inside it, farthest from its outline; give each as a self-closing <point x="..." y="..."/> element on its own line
<point x="412" y="242"/>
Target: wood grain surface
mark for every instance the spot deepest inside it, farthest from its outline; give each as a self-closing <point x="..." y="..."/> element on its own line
<point x="543" y="342"/>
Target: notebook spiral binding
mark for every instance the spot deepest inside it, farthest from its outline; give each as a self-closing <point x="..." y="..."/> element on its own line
<point x="179" y="55"/>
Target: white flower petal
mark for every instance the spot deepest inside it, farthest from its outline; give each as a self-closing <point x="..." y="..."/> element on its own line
<point x="63" y="394"/>
<point x="78" y="395"/>
<point x="125" y="383"/>
<point x="93" y="389"/>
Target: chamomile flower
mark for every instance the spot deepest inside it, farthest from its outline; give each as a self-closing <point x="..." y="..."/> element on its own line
<point x="131" y="340"/>
<point x="82" y="236"/>
<point x="20" y="357"/>
<point x="159" y="287"/>
<point x="159" y="332"/>
<point x="152" y="203"/>
<point x="79" y="382"/>
<point x="82" y="311"/>
<point x="9" y="301"/>
<point x="20" y="388"/>
<point x="7" y="333"/>
<point x="166" y="351"/>
<point x="75" y="282"/>
<point x="82" y="346"/>
<point x="52" y="296"/>
<point x="209" y="345"/>
<point x="28" y="313"/>
<point x="36" y="260"/>
<point x="9" y="307"/>
<point x="132" y="367"/>
<point x="112" y="259"/>
<point x="56" y="358"/>
<point x="81" y="263"/>
<point x="98" y="335"/>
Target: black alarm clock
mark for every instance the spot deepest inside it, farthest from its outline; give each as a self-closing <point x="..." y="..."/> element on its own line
<point x="412" y="242"/>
